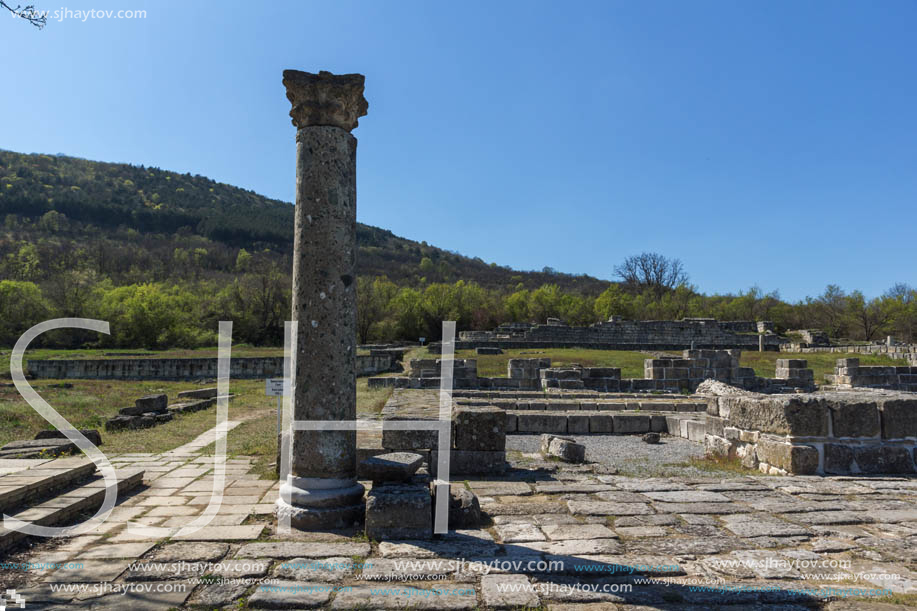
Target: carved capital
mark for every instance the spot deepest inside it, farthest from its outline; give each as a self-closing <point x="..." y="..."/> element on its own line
<point x="325" y="99"/>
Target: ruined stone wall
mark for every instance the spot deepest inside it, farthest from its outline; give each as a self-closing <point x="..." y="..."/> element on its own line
<point x="181" y="369"/>
<point x="672" y="375"/>
<point x="848" y="373"/>
<point x="836" y="433"/>
<point x="904" y="352"/>
<point x="628" y="335"/>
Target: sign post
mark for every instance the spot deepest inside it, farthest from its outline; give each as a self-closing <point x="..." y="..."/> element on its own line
<point x="274" y="387"/>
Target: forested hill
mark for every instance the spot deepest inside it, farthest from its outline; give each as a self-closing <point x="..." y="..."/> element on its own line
<point x="136" y="223"/>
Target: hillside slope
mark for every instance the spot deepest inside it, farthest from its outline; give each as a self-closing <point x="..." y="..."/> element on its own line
<point x="138" y="223"/>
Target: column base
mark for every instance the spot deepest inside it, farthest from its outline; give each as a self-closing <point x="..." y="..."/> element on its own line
<point x="332" y="518"/>
<point x="320" y="503"/>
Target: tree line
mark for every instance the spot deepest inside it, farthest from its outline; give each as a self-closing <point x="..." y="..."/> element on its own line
<point x="159" y="315"/>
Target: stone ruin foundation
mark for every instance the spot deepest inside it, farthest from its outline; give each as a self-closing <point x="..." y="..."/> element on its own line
<point x="867" y="432"/>
<point x="672" y="375"/>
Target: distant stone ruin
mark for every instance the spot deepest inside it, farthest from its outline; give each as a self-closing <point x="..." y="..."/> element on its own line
<point x="671" y="375"/>
<point x="848" y="373"/>
<point x="186" y="368"/>
<point x="617" y="334"/>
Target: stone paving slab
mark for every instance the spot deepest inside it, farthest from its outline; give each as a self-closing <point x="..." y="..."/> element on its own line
<point x="446" y="596"/>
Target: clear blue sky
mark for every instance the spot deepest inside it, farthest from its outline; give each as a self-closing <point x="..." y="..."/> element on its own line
<point x="768" y="143"/>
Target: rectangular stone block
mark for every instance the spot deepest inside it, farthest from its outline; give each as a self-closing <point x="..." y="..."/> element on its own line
<point x="715" y="426"/>
<point x="408" y="440"/>
<point x="153" y="403"/>
<point x="577" y="422"/>
<point x="854" y="418"/>
<point x="631" y="423"/>
<point x="801" y="415"/>
<point x="838" y="459"/>
<point x="479" y="428"/>
<point x="510" y="422"/>
<point x="466" y="462"/>
<point x="696" y="430"/>
<point x="658" y="423"/>
<point x="796" y="459"/>
<point x="399" y="511"/>
<point x="602" y="372"/>
<point x="884" y="459"/>
<point x="601" y="423"/>
<point x="899" y="418"/>
<point x="541" y="422"/>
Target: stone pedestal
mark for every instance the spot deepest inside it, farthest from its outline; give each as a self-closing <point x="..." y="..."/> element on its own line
<point x="321" y="491"/>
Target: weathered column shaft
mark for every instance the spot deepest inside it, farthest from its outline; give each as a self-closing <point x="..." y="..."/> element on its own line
<point x="324" y="300"/>
<point x="321" y="491"/>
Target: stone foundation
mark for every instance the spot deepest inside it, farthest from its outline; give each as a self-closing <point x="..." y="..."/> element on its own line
<point x="669" y="375"/>
<point x="835" y="432"/>
<point x="848" y="373"/>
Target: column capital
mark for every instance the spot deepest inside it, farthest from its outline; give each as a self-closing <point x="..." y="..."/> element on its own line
<point x="325" y="99"/>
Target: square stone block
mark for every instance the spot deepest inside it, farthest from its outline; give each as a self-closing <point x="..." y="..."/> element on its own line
<point x="658" y="423"/>
<point x="601" y="423"/>
<point x="399" y="511"/>
<point x="479" y="428"/>
<point x="715" y="426"/>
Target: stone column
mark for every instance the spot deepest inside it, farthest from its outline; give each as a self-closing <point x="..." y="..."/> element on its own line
<point x="321" y="491"/>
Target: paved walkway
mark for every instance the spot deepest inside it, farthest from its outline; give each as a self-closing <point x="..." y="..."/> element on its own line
<point x="562" y="537"/>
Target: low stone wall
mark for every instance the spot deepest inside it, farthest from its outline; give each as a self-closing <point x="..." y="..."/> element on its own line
<point x="848" y="373"/>
<point x="836" y="432"/>
<point x="904" y="352"/>
<point x="627" y="335"/>
<point x="183" y="369"/>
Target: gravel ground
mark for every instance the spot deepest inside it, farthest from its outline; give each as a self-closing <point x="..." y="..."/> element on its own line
<point x="628" y="453"/>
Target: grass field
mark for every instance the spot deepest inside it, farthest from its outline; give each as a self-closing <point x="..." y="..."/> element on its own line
<point x="89" y="403"/>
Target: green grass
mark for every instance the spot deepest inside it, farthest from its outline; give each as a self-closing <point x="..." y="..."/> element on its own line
<point x="494" y="365"/>
<point x="89" y="403"/>
<point x="717" y="465"/>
